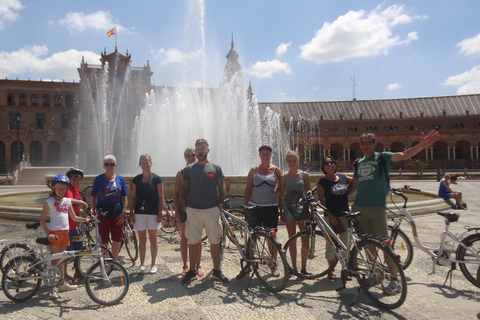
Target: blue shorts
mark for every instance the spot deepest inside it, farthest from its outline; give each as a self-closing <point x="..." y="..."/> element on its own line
<point x="74" y="245"/>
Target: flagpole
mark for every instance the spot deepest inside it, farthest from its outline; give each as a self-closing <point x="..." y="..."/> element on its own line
<point x="115" y="38"/>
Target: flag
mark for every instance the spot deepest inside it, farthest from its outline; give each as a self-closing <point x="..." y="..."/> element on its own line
<point x="109" y="33"/>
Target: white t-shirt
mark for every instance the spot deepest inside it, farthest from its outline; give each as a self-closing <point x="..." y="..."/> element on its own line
<point x="58" y="213"/>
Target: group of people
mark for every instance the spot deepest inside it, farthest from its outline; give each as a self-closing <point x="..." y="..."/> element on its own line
<point x="199" y="195"/>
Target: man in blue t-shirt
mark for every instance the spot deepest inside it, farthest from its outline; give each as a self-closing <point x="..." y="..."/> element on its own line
<point x="200" y="182"/>
<point x="372" y="185"/>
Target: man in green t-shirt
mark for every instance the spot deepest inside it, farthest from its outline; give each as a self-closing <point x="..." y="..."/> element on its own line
<point x="372" y="183"/>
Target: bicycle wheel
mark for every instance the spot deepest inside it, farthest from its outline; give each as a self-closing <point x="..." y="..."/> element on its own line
<point x="470" y="266"/>
<point x="168" y="223"/>
<point x="402" y="246"/>
<point x="317" y="264"/>
<point x="268" y="260"/>
<point x="11" y="251"/>
<point x="237" y="227"/>
<point x="83" y="263"/>
<point x="369" y="265"/>
<point x="20" y="281"/>
<point x="108" y="287"/>
<point x="130" y="241"/>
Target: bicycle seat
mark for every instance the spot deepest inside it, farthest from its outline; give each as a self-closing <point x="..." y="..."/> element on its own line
<point x="248" y="208"/>
<point x="450" y="216"/>
<point x="349" y="214"/>
<point x="32" y="225"/>
<point x="168" y="201"/>
<point x="43" y="241"/>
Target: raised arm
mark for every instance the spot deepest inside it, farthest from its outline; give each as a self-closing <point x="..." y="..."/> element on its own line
<point x="425" y="141"/>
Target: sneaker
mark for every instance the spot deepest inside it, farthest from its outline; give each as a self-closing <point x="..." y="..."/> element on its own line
<point x="142" y="269"/>
<point x="153" y="269"/>
<point x="394" y="287"/>
<point x="67" y="287"/>
<point x="53" y="296"/>
<point x="191" y="275"/>
<point x="306" y="272"/>
<point x="218" y="275"/>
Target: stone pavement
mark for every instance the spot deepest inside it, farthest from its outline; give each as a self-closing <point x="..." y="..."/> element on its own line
<point x="162" y="296"/>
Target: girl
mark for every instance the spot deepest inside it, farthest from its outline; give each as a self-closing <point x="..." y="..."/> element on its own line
<point x="59" y="208"/>
<point x="296" y="181"/>
<point x="146" y="206"/>
<point x="445" y="192"/>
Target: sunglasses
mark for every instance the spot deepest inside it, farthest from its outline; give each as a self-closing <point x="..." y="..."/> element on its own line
<point x="329" y="162"/>
<point x="109" y="164"/>
<point x="190" y="155"/>
<point x="369" y="143"/>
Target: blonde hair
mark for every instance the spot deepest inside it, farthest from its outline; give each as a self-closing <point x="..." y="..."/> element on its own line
<point x="145" y="156"/>
<point x="294" y="154"/>
<point x="186" y="151"/>
<point x="110" y="157"/>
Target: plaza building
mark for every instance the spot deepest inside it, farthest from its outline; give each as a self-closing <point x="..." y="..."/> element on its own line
<point x="46" y="122"/>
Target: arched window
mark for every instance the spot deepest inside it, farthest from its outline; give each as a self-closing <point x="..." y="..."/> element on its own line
<point x="46" y="100"/>
<point x="11" y="99"/>
<point x="58" y="100"/>
<point x="35" y="100"/>
<point x="22" y="99"/>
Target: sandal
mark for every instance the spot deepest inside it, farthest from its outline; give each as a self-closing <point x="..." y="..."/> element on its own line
<point x="332" y="275"/>
<point x="185" y="270"/>
<point x="200" y="272"/>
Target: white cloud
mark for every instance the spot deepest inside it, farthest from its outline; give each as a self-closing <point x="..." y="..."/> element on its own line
<point x="77" y="22"/>
<point x="8" y="11"/>
<point x="268" y="68"/>
<point x="470" y="46"/>
<point x="33" y="59"/>
<point x="282" y="48"/>
<point x="358" y="34"/>
<point x="176" y="56"/>
<point x="467" y="82"/>
<point x="394" y="86"/>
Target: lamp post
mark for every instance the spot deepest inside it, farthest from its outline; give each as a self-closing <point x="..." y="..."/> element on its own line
<point x="19" y="155"/>
<point x="31" y="142"/>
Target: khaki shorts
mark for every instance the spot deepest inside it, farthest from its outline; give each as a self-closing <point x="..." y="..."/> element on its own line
<point x="373" y="219"/>
<point x="199" y="218"/>
<point x="146" y="222"/>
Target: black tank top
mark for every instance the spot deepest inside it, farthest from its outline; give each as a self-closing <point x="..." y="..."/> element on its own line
<point x="336" y="194"/>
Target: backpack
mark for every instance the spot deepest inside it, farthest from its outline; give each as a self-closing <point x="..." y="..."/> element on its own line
<point x="298" y="211"/>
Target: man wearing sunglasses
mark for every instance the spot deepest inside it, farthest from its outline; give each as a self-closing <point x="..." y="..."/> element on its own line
<point x="371" y="180"/>
<point x="201" y="181"/>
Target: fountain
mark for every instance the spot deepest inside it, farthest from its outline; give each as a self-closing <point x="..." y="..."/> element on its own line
<point x="170" y="119"/>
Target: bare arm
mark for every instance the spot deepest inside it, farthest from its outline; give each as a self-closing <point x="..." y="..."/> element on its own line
<point x="281" y="188"/>
<point x="176" y="195"/>
<point x="133" y="199"/>
<point x="249" y="185"/>
<point x="425" y="141"/>
<point x="161" y="199"/>
<point x="75" y="217"/>
<point x="79" y="203"/>
<point x="353" y="186"/>
<point x="184" y="187"/>
<point x="222" y="190"/>
<point x="43" y="219"/>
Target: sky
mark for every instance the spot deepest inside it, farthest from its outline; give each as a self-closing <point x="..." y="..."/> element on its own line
<point x="290" y="50"/>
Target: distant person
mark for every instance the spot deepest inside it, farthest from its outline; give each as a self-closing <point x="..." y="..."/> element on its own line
<point x="75" y="175"/>
<point x="295" y="183"/>
<point x="59" y="208"/>
<point x="181" y="216"/>
<point x="333" y="190"/>
<point x="146" y="206"/>
<point x="109" y="194"/>
<point x="445" y="192"/>
<point x="371" y="180"/>
<point x="200" y="182"/>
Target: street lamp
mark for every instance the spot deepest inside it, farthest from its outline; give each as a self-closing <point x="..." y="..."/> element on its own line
<point x="19" y="152"/>
<point x="31" y="142"/>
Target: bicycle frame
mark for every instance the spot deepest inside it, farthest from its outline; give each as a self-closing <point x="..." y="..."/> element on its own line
<point x="228" y="228"/>
<point x="439" y="256"/>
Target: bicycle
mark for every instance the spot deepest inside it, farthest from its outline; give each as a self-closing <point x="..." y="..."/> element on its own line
<point x="237" y="211"/>
<point x="262" y="252"/>
<point x="467" y="252"/>
<point x="370" y="260"/>
<point x="170" y="225"/>
<point x="106" y="282"/>
<point x="15" y="247"/>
